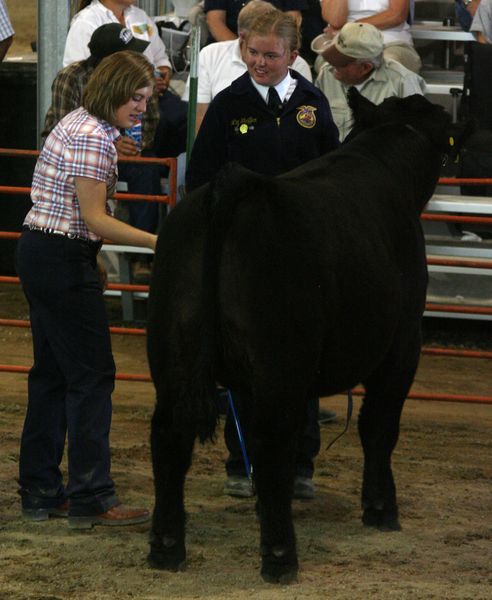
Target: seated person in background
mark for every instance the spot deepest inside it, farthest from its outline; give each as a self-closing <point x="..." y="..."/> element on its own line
<point x="312" y="26"/>
<point x="66" y="96"/>
<point x="482" y="21"/>
<point x="270" y="120"/>
<point x="390" y="16"/>
<point x="222" y="15"/>
<point x="222" y="62"/>
<point x="465" y="11"/>
<point x="355" y="58"/>
<point x="170" y="137"/>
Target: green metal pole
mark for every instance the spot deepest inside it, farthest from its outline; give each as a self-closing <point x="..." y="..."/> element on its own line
<point x="191" y="123"/>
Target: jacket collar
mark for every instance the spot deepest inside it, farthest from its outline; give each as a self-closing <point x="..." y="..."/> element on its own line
<point x="242" y="85"/>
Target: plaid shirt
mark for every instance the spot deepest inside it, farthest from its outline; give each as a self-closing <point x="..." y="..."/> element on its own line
<point x="79" y="146"/>
<point x="66" y="96"/>
<point x="6" y="30"/>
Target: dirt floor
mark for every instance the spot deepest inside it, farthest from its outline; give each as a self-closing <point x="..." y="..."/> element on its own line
<point x="442" y="467"/>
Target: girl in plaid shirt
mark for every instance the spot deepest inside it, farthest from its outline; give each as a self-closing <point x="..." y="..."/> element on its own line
<point x="71" y="381"/>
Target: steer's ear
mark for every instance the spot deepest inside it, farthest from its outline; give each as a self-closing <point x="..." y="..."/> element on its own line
<point x="363" y="110"/>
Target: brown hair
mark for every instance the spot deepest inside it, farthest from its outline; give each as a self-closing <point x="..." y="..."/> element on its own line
<point x="114" y="81"/>
<point x="83" y="4"/>
<point x="278" y="23"/>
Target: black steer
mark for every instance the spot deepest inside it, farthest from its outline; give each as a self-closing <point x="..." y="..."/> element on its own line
<point x="284" y="287"/>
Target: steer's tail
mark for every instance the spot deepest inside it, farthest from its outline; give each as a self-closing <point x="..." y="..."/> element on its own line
<point x="233" y="185"/>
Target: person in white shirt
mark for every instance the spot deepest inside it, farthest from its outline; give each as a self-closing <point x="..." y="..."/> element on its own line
<point x="389" y="16"/>
<point x="94" y="13"/>
<point x="355" y="58"/>
<point x="170" y="137"/>
<point x="222" y="62"/>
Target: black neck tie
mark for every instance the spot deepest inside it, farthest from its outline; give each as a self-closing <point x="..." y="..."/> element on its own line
<point x="274" y="102"/>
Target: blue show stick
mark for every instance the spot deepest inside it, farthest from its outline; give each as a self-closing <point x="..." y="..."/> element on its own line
<point x="239" y="435"/>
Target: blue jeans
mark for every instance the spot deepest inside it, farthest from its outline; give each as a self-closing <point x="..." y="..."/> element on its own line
<point x="71" y="381"/>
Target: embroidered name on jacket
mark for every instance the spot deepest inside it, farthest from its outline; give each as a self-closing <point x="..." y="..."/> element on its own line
<point x="305" y="116"/>
<point x="243" y="124"/>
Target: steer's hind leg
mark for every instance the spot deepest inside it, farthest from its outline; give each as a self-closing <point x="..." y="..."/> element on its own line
<point x="379" y="425"/>
<point x="274" y="446"/>
<point x="171" y="458"/>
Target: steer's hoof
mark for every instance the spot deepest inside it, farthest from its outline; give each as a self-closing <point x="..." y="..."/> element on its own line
<point x="380" y="519"/>
<point x="166" y="554"/>
<point x="285" y="577"/>
<point x="159" y="560"/>
<point x="279" y="566"/>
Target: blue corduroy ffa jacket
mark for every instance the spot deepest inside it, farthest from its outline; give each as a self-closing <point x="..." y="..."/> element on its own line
<point x="239" y="127"/>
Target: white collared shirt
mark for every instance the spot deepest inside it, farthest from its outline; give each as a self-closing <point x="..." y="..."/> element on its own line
<point x="284" y="89"/>
<point x="96" y="14"/>
<point x="220" y="63"/>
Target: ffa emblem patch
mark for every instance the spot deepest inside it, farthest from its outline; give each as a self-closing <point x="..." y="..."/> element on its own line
<point x="305" y="116"/>
<point x="142" y="29"/>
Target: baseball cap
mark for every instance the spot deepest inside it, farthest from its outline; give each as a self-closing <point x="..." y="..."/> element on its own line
<point x="113" y="37"/>
<point x="353" y="41"/>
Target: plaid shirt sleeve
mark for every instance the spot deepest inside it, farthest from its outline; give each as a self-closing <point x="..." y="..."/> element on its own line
<point x="66" y="94"/>
<point x="89" y="156"/>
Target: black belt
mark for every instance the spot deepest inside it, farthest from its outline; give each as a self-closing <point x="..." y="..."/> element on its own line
<point x="51" y="231"/>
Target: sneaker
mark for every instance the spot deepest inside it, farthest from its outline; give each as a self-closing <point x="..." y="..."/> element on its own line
<point x="326" y="416"/>
<point x="303" y="488"/>
<point x="238" y="486"/>
<point x="43" y="514"/>
<point x="470" y="236"/>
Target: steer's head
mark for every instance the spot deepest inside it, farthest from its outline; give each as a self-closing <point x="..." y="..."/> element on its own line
<point x="416" y="112"/>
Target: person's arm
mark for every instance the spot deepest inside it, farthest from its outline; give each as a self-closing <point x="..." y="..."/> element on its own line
<point x="216" y="23"/>
<point x="201" y="109"/>
<point x="395" y="14"/>
<point x="472" y="7"/>
<point x="91" y="195"/>
<point x="334" y="12"/>
<point x="4" y="46"/>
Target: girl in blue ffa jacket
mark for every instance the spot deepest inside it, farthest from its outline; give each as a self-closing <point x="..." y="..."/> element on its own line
<point x="271" y="119"/>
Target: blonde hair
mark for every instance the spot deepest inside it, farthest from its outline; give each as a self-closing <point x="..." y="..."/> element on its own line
<point x="114" y="81"/>
<point x="277" y="23"/>
<point x="252" y="11"/>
